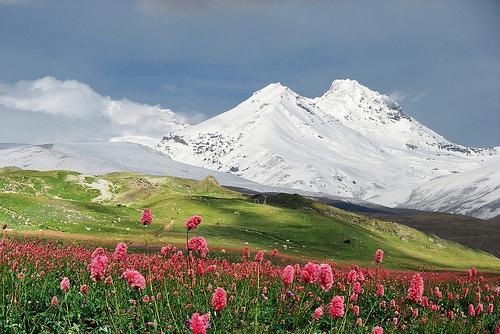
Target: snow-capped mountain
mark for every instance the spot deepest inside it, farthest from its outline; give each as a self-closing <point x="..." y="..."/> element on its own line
<point x="350" y="142"/>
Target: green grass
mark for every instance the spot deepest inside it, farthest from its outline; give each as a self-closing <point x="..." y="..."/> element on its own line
<point x="55" y="204"/>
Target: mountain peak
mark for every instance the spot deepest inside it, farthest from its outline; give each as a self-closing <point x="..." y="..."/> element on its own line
<point x="273" y="92"/>
<point x="274" y="87"/>
<point x="349" y="87"/>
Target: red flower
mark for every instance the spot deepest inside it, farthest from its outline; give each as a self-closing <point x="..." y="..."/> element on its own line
<point x="378" y="330"/>
<point x="84" y="289"/>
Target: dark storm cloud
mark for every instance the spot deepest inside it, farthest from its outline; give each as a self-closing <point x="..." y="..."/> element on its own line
<point x="440" y="59"/>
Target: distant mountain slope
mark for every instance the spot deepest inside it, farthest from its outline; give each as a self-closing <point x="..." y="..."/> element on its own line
<point x="475" y="193"/>
<point x="102" y="157"/>
<point x="97" y="158"/>
<point x="350" y="142"/>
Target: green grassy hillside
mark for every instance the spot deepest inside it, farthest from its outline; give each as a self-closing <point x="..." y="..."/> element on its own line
<point x="107" y="208"/>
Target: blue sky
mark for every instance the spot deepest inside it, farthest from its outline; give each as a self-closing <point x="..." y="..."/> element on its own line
<point x="439" y="59"/>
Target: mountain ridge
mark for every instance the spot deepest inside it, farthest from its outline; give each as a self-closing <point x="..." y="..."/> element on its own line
<point x="349" y="142"/>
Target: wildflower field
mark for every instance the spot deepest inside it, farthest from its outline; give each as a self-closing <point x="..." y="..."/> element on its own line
<point x="75" y="259"/>
<point x="57" y="287"/>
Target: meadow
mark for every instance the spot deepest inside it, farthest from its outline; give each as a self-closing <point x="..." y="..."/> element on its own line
<point x="128" y="253"/>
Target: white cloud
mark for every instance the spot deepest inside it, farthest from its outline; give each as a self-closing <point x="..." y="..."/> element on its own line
<point x="397" y="96"/>
<point x="71" y="100"/>
<point x="400" y="96"/>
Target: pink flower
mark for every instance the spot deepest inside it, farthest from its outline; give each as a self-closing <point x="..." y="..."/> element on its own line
<point x="108" y="281"/>
<point x="198" y="324"/>
<point x="246" y="252"/>
<point x="192" y="222"/>
<point x="198" y="244"/>
<point x="259" y="256"/>
<point x="310" y="273"/>
<point x="165" y="250"/>
<point x="53" y="302"/>
<point x="146" y="217"/>
<point x="378" y="330"/>
<point x="120" y="252"/>
<point x="357" y="288"/>
<point x="490" y="308"/>
<point x="65" y="284"/>
<point x="379" y="255"/>
<point x="84" y="289"/>
<point x="274" y="252"/>
<point x="134" y="279"/>
<point x="337" y="307"/>
<point x="288" y="275"/>
<point x="472" y="311"/>
<point x="219" y="299"/>
<point x="416" y="288"/>
<point x="325" y="278"/>
<point x="318" y="313"/>
<point x="358" y="322"/>
<point x="98" y="264"/>
<point x="355" y="310"/>
<point x="380" y="290"/>
<point x="352" y="276"/>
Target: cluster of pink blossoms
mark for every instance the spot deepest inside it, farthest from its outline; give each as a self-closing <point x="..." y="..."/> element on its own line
<point x="120" y="252"/>
<point x="198" y="244"/>
<point x="65" y="284"/>
<point x="134" y="279"/>
<point x="321" y="274"/>
<point x="416" y="288"/>
<point x="219" y="299"/>
<point x="192" y="222"/>
<point x="379" y="256"/>
<point x="337" y="307"/>
<point x="146" y="217"/>
<point x="98" y="264"/>
<point x="288" y="275"/>
<point x="199" y="323"/>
